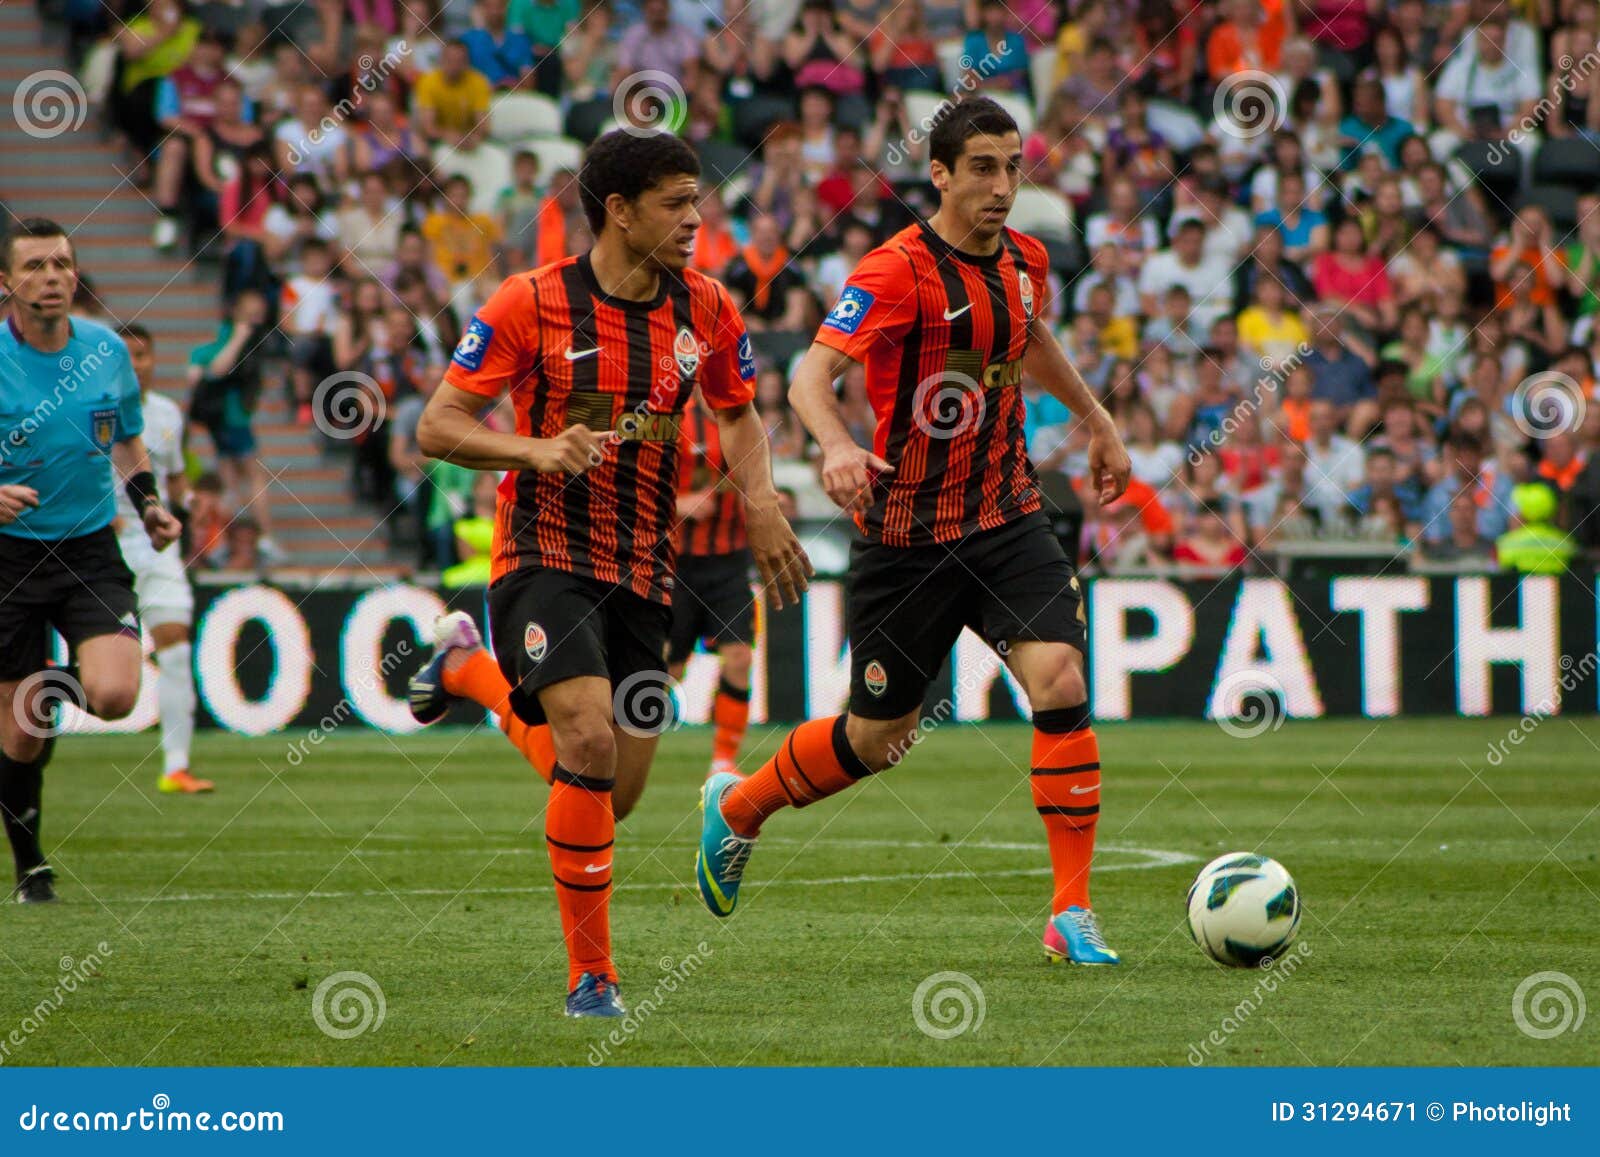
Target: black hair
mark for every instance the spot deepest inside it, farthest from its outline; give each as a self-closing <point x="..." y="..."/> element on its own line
<point x="630" y="164"/>
<point x="30" y="227"/>
<point x="957" y="121"/>
<point x="135" y="331"/>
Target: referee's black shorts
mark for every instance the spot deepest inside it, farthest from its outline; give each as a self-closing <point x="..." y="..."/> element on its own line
<point x="80" y="586"/>
<point x="906" y="607"/>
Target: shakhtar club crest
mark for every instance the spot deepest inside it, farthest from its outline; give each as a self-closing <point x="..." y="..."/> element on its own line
<point x="1026" y="285"/>
<point x="687" y="350"/>
<point x="876" y="677"/>
<point x="535" y="642"/>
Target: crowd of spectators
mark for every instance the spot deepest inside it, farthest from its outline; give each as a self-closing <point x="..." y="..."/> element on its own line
<point x="1333" y="265"/>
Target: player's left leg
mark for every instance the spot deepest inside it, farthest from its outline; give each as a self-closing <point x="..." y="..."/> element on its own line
<point x="730" y="713"/>
<point x="1031" y="603"/>
<point x="166" y="604"/>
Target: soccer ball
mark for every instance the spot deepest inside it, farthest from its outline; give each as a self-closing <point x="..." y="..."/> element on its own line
<point x="1243" y="908"/>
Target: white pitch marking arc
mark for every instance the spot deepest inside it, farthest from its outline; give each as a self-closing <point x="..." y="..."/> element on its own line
<point x="1154" y="858"/>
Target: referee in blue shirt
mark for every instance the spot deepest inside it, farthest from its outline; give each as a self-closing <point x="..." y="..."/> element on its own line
<point x="68" y="401"/>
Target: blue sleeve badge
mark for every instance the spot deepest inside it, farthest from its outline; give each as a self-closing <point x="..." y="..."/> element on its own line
<point x="474" y="344"/>
<point x="747" y="357"/>
<point x="849" y="310"/>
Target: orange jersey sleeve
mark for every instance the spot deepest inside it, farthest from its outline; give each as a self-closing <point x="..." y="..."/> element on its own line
<point x="728" y="378"/>
<point x="878" y="303"/>
<point x="501" y="342"/>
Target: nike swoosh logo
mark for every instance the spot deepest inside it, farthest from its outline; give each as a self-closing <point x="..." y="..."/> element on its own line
<point x="593" y="868"/>
<point x="1086" y="790"/>
<point x="950" y="315"/>
<point x="573" y="355"/>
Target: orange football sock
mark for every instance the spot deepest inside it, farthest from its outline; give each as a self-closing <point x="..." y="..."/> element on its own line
<point x="477" y="677"/>
<point x="813" y="763"/>
<point x="731" y="716"/>
<point x="579" y="830"/>
<point x="1066" y="791"/>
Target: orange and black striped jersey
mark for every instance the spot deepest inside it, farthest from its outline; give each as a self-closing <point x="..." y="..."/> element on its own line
<point x="942" y="334"/>
<point x="701" y="467"/>
<point x="570" y="353"/>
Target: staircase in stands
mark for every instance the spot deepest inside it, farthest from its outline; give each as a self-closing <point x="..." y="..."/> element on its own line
<point x="83" y="181"/>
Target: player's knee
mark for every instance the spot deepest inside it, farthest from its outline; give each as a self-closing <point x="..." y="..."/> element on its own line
<point x="1062" y="687"/>
<point x="736" y="661"/>
<point x="586" y="745"/>
<point x="112" y="701"/>
<point x="880" y="744"/>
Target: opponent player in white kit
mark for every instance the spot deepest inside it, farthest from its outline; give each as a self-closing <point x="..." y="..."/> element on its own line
<point x="166" y="603"/>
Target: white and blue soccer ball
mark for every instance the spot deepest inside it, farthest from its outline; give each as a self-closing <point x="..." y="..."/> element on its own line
<point x="1243" y="908"/>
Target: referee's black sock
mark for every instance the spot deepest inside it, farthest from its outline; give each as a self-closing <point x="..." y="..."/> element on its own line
<point x="21" y="789"/>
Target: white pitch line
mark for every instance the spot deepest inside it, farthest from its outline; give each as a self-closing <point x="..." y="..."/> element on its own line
<point x="1155" y="858"/>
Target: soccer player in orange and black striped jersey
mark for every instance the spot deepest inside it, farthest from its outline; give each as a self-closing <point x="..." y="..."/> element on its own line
<point x="600" y="353"/>
<point x="946" y="316"/>
<point x="711" y="601"/>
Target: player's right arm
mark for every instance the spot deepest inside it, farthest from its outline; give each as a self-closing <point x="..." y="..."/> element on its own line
<point x="878" y="304"/>
<point x="500" y="347"/>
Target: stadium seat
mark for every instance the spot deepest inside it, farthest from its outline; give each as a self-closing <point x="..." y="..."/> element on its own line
<point x="585" y="118"/>
<point x="554" y="153"/>
<point x="949" y="52"/>
<point x="1017" y="105"/>
<point x="1042" y="212"/>
<point x="721" y="161"/>
<point x="488" y="167"/>
<point x="1560" y="203"/>
<point x="515" y="115"/>
<point x="1042" y="73"/>
<point x="1490" y="161"/>
<point x="921" y="108"/>
<point x="753" y="117"/>
<point x="1568" y="161"/>
<point x="1178" y="126"/>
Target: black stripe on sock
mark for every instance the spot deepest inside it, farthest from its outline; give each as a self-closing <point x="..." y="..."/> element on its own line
<point x="579" y="847"/>
<point x="588" y="783"/>
<point x="845" y="754"/>
<point x="1060" y="720"/>
<point x="1056" y="810"/>
<point x="1075" y="769"/>
<point x="582" y="887"/>
<point x="738" y="694"/>
<point x="798" y="770"/>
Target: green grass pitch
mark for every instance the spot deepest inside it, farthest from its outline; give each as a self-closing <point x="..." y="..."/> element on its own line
<point x="199" y="930"/>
